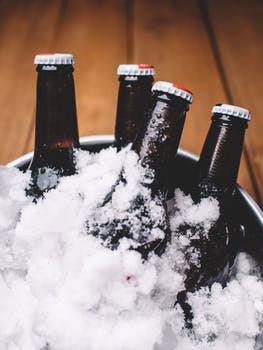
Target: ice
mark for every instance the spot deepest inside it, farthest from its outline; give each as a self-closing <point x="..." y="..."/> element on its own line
<point x="62" y="289"/>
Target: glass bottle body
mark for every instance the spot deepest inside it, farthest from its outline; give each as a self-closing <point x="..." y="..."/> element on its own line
<point x="56" y="134"/>
<point x="216" y="177"/>
<point x="134" y="100"/>
<point x="156" y="144"/>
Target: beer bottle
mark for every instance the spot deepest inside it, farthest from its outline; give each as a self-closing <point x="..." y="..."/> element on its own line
<point x="158" y="141"/>
<point x="216" y="176"/>
<point x="134" y="99"/>
<point x="156" y="145"/>
<point x="56" y="134"/>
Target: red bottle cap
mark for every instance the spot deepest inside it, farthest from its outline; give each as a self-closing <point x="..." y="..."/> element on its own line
<point x="173" y="89"/>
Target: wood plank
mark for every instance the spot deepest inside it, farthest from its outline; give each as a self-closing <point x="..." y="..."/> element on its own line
<point x="238" y="29"/>
<point x="25" y="27"/>
<point x="173" y="37"/>
<point x="95" y="32"/>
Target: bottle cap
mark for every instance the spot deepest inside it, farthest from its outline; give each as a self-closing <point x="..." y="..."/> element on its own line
<point x="56" y="58"/>
<point x="173" y="89"/>
<point x="136" y="69"/>
<point x="234" y="111"/>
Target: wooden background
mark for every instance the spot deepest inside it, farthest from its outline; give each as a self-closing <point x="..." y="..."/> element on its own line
<point x="212" y="47"/>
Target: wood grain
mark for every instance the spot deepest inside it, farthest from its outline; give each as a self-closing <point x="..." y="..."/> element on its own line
<point x="174" y="38"/>
<point x="238" y="29"/>
<point x="23" y="33"/>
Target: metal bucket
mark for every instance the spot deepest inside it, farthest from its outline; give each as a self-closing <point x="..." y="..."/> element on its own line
<point x="248" y="213"/>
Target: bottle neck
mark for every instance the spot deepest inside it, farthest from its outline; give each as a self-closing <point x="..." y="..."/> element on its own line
<point x="56" y="119"/>
<point x="134" y="99"/>
<point x="158" y="142"/>
<point x="220" y="157"/>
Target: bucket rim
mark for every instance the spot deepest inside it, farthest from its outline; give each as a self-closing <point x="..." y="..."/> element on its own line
<point x="107" y="138"/>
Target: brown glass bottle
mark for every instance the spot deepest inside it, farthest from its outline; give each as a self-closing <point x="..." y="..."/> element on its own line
<point x="158" y="141"/>
<point x="134" y="99"/>
<point x="216" y="177"/>
<point x="56" y="134"/>
<point x="156" y="145"/>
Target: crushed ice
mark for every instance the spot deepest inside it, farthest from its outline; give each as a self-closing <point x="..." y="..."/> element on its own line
<point x="62" y="287"/>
